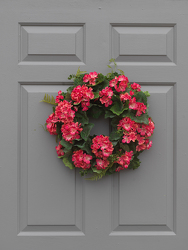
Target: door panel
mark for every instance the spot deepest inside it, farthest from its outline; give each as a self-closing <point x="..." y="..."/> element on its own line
<point x="42" y="43"/>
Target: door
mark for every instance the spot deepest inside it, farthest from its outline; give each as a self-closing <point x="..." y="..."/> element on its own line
<point x="46" y="206"/>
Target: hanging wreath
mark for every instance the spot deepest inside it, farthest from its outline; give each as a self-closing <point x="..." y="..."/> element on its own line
<point x="95" y="95"/>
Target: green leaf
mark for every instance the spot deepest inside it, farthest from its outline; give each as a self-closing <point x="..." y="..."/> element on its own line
<point x="141" y="97"/>
<point x="97" y="176"/>
<point x="67" y="163"/>
<point x="140" y="119"/>
<point x="65" y="150"/>
<point x="96" y="111"/>
<point x="80" y="144"/>
<point x="115" y="135"/>
<point x="81" y="117"/>
<point x="96" y="170"/>
<point x="132" y="147"/>
<point x="68" y="97"/>
<point x="79" y="72"/>
<point x="115" y="121"/>
<point x="109" y="114"/>
<point x="146" y="93"/>
<point x="121" y="72"/>
<point x="71" y="76"/>
<point x="49" y="100"/>
<point x="66" y="144"/>
<point x="96" y="95"/>
<point x="78" y="81"/>
<point x="117" y="108"/>
<point x="86" y="131"/>
<point x="134" y="164"/>
<point x="104" y="84"/>
<point x="125" y="147"/>
<point x="100" y="78"/>
<point x="114" y="143"/>
<point x="70" y="89"/>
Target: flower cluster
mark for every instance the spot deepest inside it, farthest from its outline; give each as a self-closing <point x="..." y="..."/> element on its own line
<point x="120" y="83"/>
<point x="51" y="124"/>
<point x="59" y="97"/>
<point x="91" y="78"/>
<point x="92" y="95"/>
<point x="65" y="115"/>
<point x="81" y="159"/>
<point x="71" y="131"/>
<point x="124" y="160"/>
<point x="106" y="96"/>
<point x="139" y="106"/>
<point x="59" y="150"/>
<point x="82" y="94"/>
<point x="102" y="148"/>
<point x="139" y="132"/>
<point x="64" y="112"/>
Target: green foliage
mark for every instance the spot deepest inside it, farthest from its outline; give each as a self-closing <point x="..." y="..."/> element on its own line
<point x="96" y="95"/>
<point x="81" y="117"/>
<point x="117" y="108"/>
<point x="140" y="119"/>
<point x="141" y="97"/>
<point x="109" y="114"/>
<point x="68" y="162"/>
<point x="44" y="127"/>
<point x="121" y="72"/>
<point x="70" y="89"/>
<point x="115" y="121"/>
<point x="134" y="164"/>
<point x="95" y="111"/>
<point x="116" y="135"/>
<point x="146" y="93"/>
<point x="125" y="147"/>
<point x="97" y="176"/>
<point x="66" y="144"/>
<point x="79" y="72"/>
<point x="49" y="100"/>
<point x="86" y="131"/>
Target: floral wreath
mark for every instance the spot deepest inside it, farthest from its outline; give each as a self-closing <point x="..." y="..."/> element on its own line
<point x="95" y="95"/>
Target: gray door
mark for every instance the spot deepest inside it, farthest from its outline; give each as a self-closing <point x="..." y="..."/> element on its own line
<point x="44" y="205"/>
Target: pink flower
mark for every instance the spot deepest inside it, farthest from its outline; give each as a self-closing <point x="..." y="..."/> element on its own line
<point x="106" y="95"/>
<point x="133" y="104"/>
<point x="59" y="150"/>
<point x="50" y="124"/>
<point x="81" y="159"/>
<point x="102" y="146"/>
<point x="123" y="83"/>
<point x="124" y="160"/>
<point x="82" y="94"/>
<point x="113" y="82"/>
<point x="91" y="78"/>
<point x="124" y="97"/>
<point x="149" y="145"/>
<point x="106" y="101"/>
<point x="86" y="78"/>
<point x="64" y="113"/>
<point x="101" y="164"/>
<point x="59" y="97"/>
<point x="141" y="108"/>
<point x="136" y="86"/>
<point x="71" y="131"/>
<point x="126" y="124"/>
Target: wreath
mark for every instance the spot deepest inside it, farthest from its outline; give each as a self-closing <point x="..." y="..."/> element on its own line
<point x="95" y="95"/>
